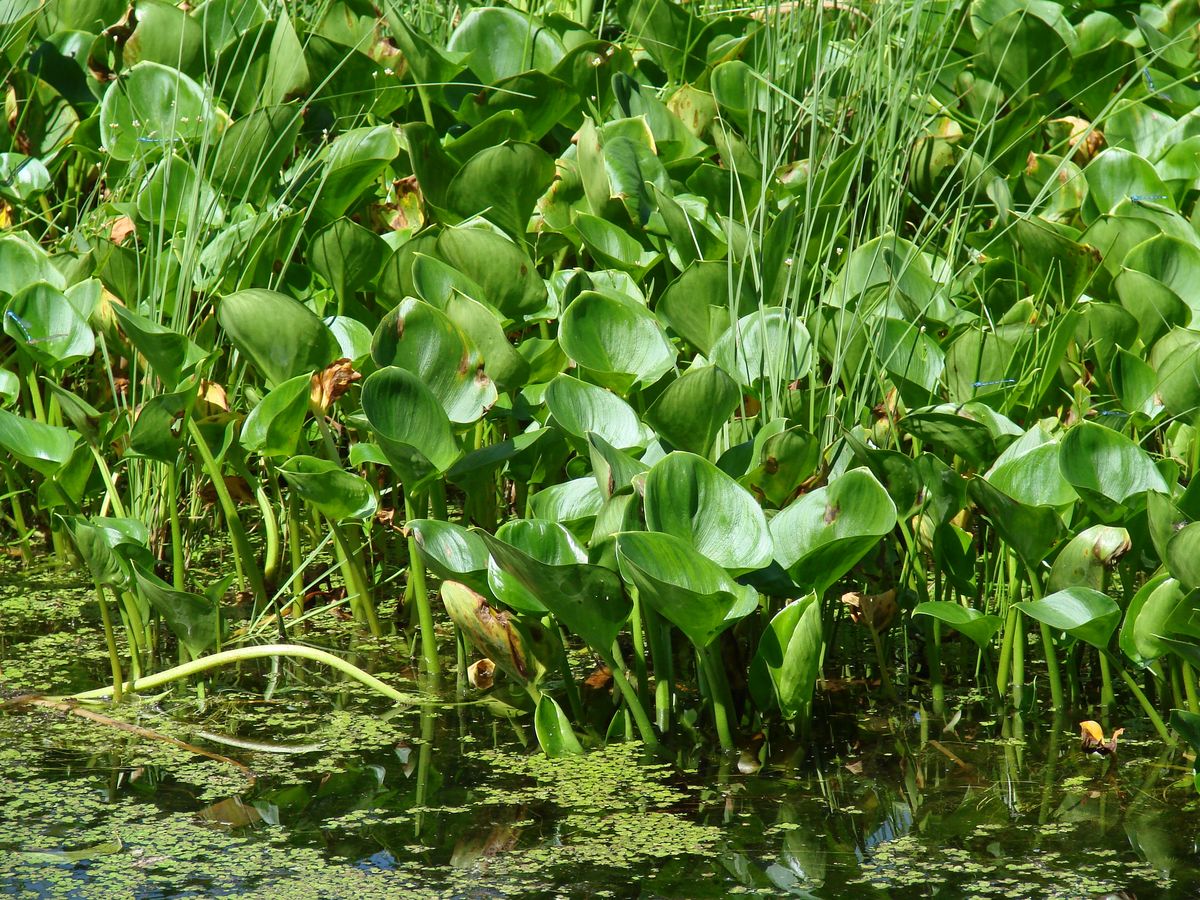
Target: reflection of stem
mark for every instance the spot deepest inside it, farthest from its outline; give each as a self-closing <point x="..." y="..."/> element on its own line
<point x="242" y="654"/>
<point x="935" y="670"/>
<point x="424" y="758"/>
<point x="1048" y="781"/>
<point x="92" y="716"/>
<point x="885" y="680"/>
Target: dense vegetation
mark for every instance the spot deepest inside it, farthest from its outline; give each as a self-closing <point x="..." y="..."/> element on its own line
<point x="651" y="329"/>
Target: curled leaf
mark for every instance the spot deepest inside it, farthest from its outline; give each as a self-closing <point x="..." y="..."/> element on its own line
<point x="331" y="383"/>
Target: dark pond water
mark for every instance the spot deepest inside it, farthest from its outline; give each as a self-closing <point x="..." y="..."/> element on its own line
<point x="450" y="797"/>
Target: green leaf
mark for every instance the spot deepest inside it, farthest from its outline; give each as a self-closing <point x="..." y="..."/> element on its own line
<point x="151" y="107"/>
<point x="611" y="245"/>
<point x="44" y="448"/>
<point x="502" y="184"/>
<point x="171" y="355"/>
<point x="1146" y="620"/>
<point x="1085" y="561"/>
<point x="1182" y="555"/>
<point x="411" y="424"/>
<point x="191" y="617"/>
<point x="47" y="328"/>
<point x="687" y="589"/>
<point x="967" y="621"/>
<point x="761" y="346"/>
<point x="1029" y="530"/>
<point x="356" y="159"/>
<point x="96" y="539"/>
<point x="421" y="339"/>
<point x="253" y="150"/>
<point x="588" y="600"/>
<point x="820" y="536"/>
<point x="1081" y="612"/>
<point x="788" y="660"/>
<point x="501" y="42"/>
<point x="617" y="339"/>
<point x="347" y="256"/>
<point x="694" y="408"/>
<point x="451" y="552"/>
<point x="553" y="730"/>
<point x="336" y="493"/>
<point x="690" y="498"/>
<point x="1029" y="472"/>
<point x="1107" y="468"/>
<point x="274" y="427"/>
<point x="282" y="337"/>
<point x="158" y="431"/>
<point x="503" y="271"/>
<point x="579" y="408"/>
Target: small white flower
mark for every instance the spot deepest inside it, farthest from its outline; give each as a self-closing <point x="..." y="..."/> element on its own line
<point x="389" y="72"/>
<point x="137" y="124"/>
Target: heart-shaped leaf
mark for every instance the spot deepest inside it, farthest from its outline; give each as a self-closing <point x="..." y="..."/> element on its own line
<point x="819" y="537"/>
<point x="617" y="339"/>
<point x="411" y="424"/>
<point x="971" y="623"/>
<point x="421" y="338"/>
<point x="1083" y="613"/>
<point x="281" y="336"/>
<point x="588" y="600"/>
<point x="687" y="589"/>
<point x="690" y="498"/>
<point x="787" y="662"/>
<point x="451" y="552"/>
<point x="274" y="426"/>
<point x="337" y="493"/>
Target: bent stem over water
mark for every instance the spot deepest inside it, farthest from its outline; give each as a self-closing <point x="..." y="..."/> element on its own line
<point x="243" y="654"/>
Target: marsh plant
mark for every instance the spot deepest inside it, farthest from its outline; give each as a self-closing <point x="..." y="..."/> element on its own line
<point x="719" y="350"/>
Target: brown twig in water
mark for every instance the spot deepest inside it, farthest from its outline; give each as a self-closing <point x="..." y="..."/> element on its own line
<point x="84" y="713"/>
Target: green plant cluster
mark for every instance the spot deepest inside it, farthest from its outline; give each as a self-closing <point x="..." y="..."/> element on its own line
<point x="643" y="328"/>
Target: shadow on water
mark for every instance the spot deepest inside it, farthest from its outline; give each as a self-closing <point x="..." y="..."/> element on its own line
<point x="451" y="798"/>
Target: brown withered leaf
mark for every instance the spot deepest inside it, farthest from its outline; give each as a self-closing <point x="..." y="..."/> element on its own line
<point x="331" y="383"/>
<point x="211" y="399"/>
<point x="1092" y="740"/>
<point x="1084" y="140"/>
<point x="120" y="228"/>
<point x="599" y="680"/>
<point x="877" y="610"/>
<point x="481" y="674"/>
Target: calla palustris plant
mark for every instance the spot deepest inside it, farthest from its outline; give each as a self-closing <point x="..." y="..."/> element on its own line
<point x="525" y="313"/>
